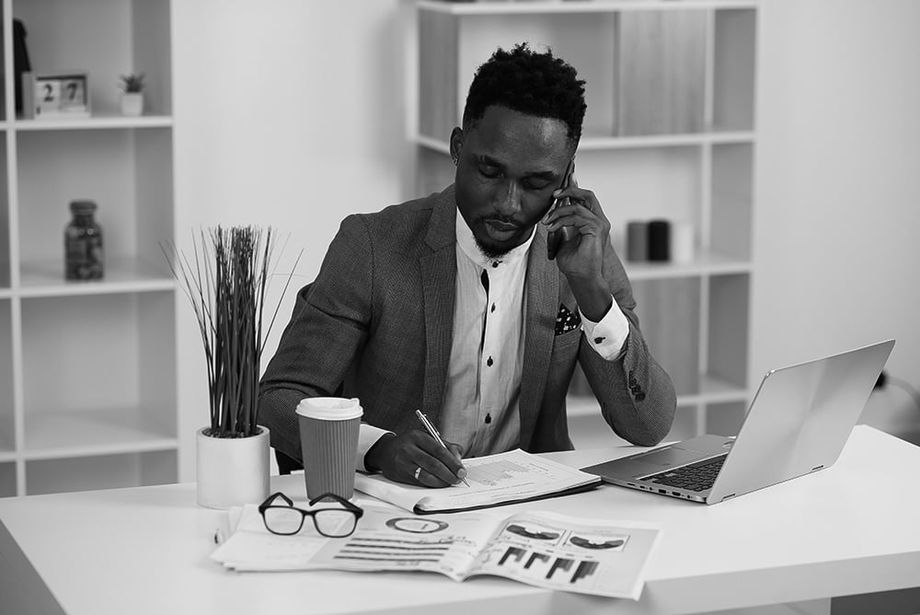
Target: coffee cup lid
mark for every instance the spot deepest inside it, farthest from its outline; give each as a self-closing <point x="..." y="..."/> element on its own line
<point x="330" y="408"/>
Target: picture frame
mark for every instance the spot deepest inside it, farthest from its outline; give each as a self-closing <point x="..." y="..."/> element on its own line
<point x="61" y="94"/>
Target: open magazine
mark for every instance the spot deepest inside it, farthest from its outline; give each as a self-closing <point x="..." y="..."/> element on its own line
<point x="504" y="478"/>
<point x="604" y="558"/>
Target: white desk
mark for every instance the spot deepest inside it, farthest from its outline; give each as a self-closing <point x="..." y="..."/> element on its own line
<point x="853" y="528"/>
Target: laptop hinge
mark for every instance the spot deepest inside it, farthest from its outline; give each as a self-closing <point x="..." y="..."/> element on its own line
<point x="729" y="496"/>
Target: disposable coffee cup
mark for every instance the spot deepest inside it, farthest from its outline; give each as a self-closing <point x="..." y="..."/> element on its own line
<point x="329" y="440"/>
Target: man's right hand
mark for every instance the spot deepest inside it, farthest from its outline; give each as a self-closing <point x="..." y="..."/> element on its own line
<point x="399" y="457"/>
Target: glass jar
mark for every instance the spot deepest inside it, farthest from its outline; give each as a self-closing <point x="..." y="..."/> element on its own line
<point x="83" y="243"/>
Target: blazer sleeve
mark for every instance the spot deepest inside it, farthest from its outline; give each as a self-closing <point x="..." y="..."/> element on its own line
<point x="329" y="324"/>
<point x="636" y="395"/>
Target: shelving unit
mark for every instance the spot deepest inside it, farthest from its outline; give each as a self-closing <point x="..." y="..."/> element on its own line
<point x="87" y="369"/>
<point x="669" y="133"/>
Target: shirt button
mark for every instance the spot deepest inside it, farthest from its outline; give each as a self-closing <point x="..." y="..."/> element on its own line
<point x="599" y="340"/>
<point x="488" y="418"/>
<point x="489" y="362"/>
<point x="493" y="307"/>
<point x="640" y="396"/>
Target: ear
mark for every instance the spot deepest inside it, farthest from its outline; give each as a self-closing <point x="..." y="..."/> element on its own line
<point x="456" y="144"/>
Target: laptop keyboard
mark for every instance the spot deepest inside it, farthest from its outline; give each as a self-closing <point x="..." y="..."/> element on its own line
<point x="697" y="476"/>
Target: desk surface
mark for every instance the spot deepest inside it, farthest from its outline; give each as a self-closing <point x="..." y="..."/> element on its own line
<point x="846" y="530"/>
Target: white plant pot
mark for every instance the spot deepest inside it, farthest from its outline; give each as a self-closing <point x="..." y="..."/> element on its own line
<point x="132" y="104"/>
<point x="232" y="471"/>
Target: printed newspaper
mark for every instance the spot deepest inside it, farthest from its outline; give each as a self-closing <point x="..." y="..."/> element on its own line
<point x="599" y="557"/>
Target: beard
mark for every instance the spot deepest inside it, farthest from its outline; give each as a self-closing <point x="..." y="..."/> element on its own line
<point x="493" y="252"/>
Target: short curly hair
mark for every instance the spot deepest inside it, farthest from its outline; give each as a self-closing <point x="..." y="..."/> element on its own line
<point x="529" y="82"/>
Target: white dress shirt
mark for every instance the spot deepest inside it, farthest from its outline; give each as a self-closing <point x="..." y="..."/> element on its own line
<point x="480" y="411"/>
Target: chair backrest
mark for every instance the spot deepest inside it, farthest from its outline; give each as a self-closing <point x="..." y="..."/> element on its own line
<point x="286" y="464"/>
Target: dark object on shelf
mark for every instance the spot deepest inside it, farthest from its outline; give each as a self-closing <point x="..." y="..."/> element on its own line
<point x="83" y="243"/>
<point x="659" y="240"/>
<point x="21" y="62"/>
<point x="637" y="241"/>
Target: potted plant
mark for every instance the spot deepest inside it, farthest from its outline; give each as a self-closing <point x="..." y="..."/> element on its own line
<point x="132" y="94"/>
<point x="225" y="280"/>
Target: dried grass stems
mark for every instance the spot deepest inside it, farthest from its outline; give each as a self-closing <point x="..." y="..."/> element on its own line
<point x="225" y="281"/>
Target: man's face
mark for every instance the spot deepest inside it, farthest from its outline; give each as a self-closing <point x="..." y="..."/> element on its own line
<point x="509" y="164"/>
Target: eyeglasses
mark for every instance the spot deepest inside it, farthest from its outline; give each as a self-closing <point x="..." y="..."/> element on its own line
<point x="333" y="522"/>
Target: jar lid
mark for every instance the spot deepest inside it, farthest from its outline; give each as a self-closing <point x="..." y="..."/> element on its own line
<point x="83" y="206"/>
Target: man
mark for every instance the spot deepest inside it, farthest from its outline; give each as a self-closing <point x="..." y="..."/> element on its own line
<point x="450" y="304"/>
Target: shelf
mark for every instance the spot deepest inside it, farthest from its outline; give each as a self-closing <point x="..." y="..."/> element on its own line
<point x="7" y="431"/>
<point x="88" y="382"/>
<point x="46" y="279"/>
<point x="602" y="143"/>
<point x="130" y="469"/>
<point x="54" y="435"/>
<point x="715" y="390"/>
<point x="7" y="479"/>
<point x="588" y="429"/>
<point x="711" y="391"/>
<point x="704" y="264"/>
<point x="573" y="7"/>
<point x="96" y="122"/>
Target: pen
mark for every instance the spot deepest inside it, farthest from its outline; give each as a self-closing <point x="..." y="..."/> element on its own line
<point x="434" y="434"/>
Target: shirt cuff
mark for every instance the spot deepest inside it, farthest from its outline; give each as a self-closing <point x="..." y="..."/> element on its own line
<point x="607" y="337"/>
<point x="367" y="437"/>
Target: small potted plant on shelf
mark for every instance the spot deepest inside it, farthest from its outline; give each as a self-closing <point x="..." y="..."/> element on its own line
<point x="132" y="94"/>
<point x="225" y="280"/>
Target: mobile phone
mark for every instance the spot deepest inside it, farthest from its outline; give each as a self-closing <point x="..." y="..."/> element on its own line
<point x="555" y="238"/>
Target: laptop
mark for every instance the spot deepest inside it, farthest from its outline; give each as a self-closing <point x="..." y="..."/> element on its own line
<point x="797" y="423"/>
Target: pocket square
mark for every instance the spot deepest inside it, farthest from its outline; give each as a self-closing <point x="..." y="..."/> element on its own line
<point x="566" y="320"/>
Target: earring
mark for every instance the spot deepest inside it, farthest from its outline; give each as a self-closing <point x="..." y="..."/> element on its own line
<point x="455" y="159"/>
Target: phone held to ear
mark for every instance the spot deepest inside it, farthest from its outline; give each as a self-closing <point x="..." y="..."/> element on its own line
<point x="555" y="238"/>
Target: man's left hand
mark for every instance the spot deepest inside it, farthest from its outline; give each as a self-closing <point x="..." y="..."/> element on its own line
<point x="581" y="258"/>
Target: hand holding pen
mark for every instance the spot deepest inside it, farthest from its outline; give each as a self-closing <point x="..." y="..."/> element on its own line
<point x="434" y="434"/>
<point x="416" y="457"/>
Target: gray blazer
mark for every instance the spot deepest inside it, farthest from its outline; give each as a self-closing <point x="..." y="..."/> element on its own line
<point x="377" y="324"/>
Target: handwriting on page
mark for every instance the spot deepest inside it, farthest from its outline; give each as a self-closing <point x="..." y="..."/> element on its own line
<point x="496" y="472"/>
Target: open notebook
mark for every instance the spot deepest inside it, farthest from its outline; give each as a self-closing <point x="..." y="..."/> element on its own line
<point x="504" y="478"/>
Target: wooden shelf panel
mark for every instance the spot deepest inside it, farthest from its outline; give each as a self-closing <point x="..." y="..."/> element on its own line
<point x="95" y="122"/>
<point x="7" y="479"/>
<point x="46" y="279"/>
<point x="130" y="469"/>
<point x="7" y="431"/>
<point x="715" y="390"/>
<point x="555" y="7"/>
<point x="708" y="263"/>
<point x="108" y="344"/>
<point x="53" y="435"/>
<point x="711" y="391"/>
<point x="603" y="143"/>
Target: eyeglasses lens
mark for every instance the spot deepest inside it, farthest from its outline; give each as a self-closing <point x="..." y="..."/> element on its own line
<point x="283" y="520"/>
<point x="335" y="523"/>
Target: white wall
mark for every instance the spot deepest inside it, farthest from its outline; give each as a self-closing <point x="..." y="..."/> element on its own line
<point x="838" y="199"/>
<point x="292" y="113"/>
<point x="288" y="113"/>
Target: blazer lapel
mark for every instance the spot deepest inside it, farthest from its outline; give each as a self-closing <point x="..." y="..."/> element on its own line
<point x="438" y="267"/>
<point x="542" y="287"/>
